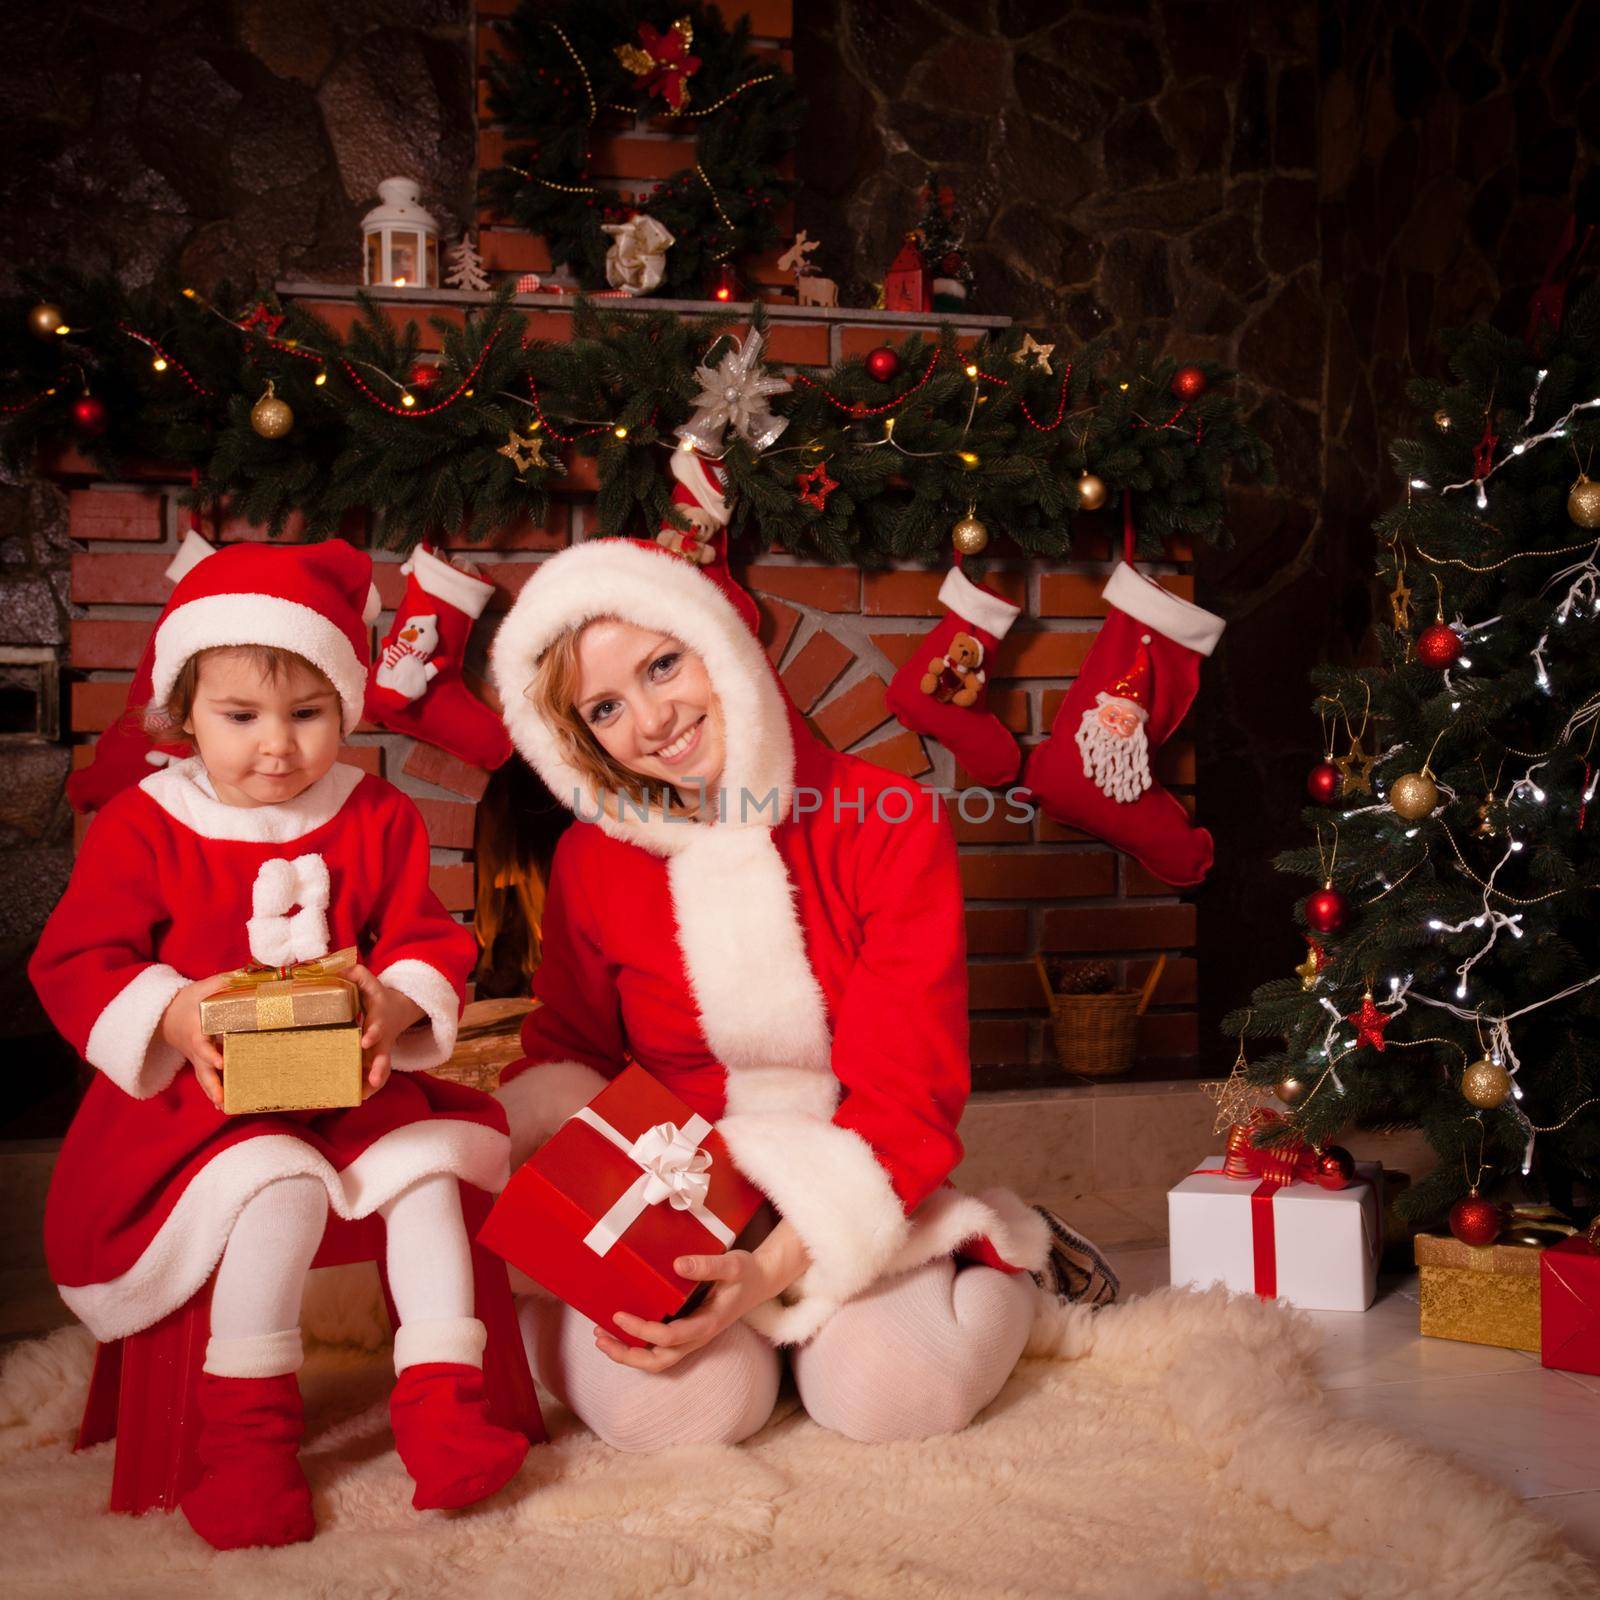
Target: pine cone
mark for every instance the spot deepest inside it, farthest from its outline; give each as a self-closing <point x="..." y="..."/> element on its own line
<point x="1084" y="977"/>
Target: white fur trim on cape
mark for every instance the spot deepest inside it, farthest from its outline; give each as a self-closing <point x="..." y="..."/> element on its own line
<point x="698" y="476"/>
<point x="183" y="790"/>
<point x="125" y="1041"/>
<point x="541" y="1097"/>
<point x="267" y="1355"/>
<point x="760" y="1004"/>
<point x="648" y="586"/>
<point x="446" y="582"/>
<point x="827" y="1184"/>
<point x="958" y="593"/>
<point x="216" y="621"/>
<point x="460" y="1340"/>
<point x="418" y="1048"/>
<point x="188" y="1245"/>
<point x="1146" y="601"/>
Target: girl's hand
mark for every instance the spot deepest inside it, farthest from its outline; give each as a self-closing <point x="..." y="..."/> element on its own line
<point x="180" y="1028"/>
<point x="741" y="1279"/>
<point x="387" y="1014"/>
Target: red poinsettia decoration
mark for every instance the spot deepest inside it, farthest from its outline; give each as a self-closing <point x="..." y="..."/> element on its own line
<point x="661" y="63"/>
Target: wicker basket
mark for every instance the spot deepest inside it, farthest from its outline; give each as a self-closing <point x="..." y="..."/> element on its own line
<point x="1095" y="1032"/>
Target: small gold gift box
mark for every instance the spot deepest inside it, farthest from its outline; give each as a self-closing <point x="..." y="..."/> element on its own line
<point x="1480" y="1294"/>
<point x="291" y="1038"/>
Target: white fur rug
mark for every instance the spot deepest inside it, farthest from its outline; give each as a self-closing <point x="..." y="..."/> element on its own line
<point x="1167" y="1449"/>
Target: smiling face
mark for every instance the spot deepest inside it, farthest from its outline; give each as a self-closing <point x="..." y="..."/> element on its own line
<point x="648" y="702"/>
<point x="1118" y="717"/>
<point x="264" y="737"/>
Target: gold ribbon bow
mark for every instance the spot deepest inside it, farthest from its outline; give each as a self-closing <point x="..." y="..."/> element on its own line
<point x="274" y="986"/>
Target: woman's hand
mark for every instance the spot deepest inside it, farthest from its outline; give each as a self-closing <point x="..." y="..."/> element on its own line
<point x="386" y="1014"/>
<point x="741" y="1280"/>
<point x="180" y="1027"/>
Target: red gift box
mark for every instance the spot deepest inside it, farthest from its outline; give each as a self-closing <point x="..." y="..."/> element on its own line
<point x="1569" y="1306"/>
<point x="622" y="1188"/>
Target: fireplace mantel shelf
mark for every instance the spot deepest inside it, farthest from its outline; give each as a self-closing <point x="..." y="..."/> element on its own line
<point x="388" y="294"/>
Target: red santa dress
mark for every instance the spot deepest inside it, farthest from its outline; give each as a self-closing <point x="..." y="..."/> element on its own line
<point x="795" y="971"/>
<point x="151" y="1175"/>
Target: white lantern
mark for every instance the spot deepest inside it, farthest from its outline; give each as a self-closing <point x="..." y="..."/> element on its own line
<point x="400" y="240"/>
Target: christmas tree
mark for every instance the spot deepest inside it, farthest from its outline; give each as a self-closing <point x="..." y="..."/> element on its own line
<point x="1452" y="975"/>
<point x="942" y="242"/>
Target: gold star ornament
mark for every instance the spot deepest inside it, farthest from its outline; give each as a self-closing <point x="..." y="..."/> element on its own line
<point x="1355" y="769"/>
<point x="1041" y="353"/>
<point x="524" y="452"/>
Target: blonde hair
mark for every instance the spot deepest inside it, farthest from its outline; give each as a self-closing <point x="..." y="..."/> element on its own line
<point x="161" y="721"/>
<point x="553" y="693"/>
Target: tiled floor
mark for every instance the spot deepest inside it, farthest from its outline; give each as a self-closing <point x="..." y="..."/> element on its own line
<point x="1535" y="1431"/>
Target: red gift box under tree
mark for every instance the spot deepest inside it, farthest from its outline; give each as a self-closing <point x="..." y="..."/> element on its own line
<point x="1569" y="1304"/>
<point x="622" y="1188"/>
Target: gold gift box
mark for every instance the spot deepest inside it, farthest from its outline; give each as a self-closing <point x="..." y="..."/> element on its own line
<point x="313" y="1001"/>
<point x="1480" y="1294"/>
<point x="292" y="1069"/>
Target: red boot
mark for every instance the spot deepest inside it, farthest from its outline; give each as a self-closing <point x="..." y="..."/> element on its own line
<point x="456" y="1456"/>
<point x="251" y="1489"/>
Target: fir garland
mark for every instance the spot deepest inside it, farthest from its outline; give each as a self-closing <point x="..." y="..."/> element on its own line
<point x="566" y="81"/>
<point x="482" y="443"/>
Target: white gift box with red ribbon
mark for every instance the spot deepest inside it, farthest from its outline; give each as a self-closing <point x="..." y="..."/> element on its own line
<point x="1311" y="1247"/>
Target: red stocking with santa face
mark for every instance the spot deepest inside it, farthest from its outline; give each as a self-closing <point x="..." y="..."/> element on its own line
<point x="416" y="685"/>
<point x="1136" y="686"/>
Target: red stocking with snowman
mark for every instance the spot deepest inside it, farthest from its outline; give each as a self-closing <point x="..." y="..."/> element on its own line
<point x="416" y="685"/>
<point x="1136" y="685"/>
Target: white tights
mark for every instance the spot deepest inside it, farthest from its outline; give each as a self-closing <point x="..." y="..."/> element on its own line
<point x="255" y="1302"/>
<point x="916" y="1355"/>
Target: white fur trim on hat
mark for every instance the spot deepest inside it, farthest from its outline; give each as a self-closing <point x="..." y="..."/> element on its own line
<point x="958" y="593"/>
<point x="216" y="621"/>
<point x="651" y="588"/>
<point x="449" y="583"/>
<point x="1146" y="601"/>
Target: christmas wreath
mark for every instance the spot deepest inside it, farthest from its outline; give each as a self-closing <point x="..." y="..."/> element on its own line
<point x="579" y="70"/>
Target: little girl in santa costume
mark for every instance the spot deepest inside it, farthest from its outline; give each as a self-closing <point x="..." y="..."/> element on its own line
<point x="792" y="964"/>
<point x="263" y="849"/>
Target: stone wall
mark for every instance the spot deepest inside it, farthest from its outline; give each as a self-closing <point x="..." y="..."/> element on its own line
<point x="1307" y="191"/>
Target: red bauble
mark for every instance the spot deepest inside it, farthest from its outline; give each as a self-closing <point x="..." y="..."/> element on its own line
<point x="423" y="375"/>
<point x="882" y="363"/>
<point x="89" y="415"/>
<point x="1474" y="1220"/>
<point x="1188" y="383"/>
<point x="1335" y="1167"/>
<point x="1325" y="910"/>
<point x="1439" y="646"/>
<point x="1323" y="783"/>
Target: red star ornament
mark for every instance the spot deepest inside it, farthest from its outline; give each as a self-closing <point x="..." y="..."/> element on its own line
<point x="261" y="317"/>
<point x="815" y="486"/>
<point x="1370" y="1023"/>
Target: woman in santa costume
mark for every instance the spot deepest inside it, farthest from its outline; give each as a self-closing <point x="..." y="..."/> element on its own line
<point x="262" y="848"/>
<point x="775" y="931"/>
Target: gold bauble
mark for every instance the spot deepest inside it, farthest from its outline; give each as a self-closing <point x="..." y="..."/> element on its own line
<point x="1414" y="795"/>
<point x="1486" y="1084"/>
<point x="1291" y="1090"/>
<point x="1583" y="503"/>
<point x="1091" y="492"/>
<point x="270" y="416"/>
<point x="969" y="535"/>
<point x="44" y="319"/>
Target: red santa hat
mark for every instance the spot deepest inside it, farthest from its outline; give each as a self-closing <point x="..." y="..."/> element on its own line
<point x="316" y="600"/>
<point x="1134" y="684"/>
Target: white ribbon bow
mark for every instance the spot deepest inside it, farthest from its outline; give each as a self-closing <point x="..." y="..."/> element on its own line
<point x="277" y="937"/>
<point x="675" y="1169"/>
<point x="637" y="259"/>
